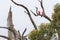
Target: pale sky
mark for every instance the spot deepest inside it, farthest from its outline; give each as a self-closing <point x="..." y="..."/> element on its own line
<point x="21" y="19"/>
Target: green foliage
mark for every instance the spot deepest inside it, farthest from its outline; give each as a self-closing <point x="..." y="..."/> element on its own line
<point x="57" y="7"/>
<point x="56" y="19"/>
<point x="56" y="16"/>
<point x="33" y="35"/>
<point x="45" y="33"/>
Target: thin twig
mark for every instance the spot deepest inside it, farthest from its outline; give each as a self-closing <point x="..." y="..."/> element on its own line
<point x="19" y="35"/>
<point x="24" y="31"/>
<point x="34" y="13"/>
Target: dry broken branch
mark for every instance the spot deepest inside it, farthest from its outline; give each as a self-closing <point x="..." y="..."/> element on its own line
<point x="11" y="26"/>
<point x="27" y="13"/>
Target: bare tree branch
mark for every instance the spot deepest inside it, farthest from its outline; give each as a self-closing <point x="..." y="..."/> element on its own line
<point x="19" y="35"/>
<point x="45" y="16"/>
<point x="27" y="13"/>
<point x="24" y="31"/>
<point x="41" y="2"/>
<point x="5" y="37"/>
<point x="34" y="13"/>
<point x="8" y="29"/>
<point x="12" y="30"/>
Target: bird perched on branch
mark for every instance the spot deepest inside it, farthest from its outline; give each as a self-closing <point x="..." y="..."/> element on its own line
<point x="38" y="12"/>
<point x="43" y="13"/>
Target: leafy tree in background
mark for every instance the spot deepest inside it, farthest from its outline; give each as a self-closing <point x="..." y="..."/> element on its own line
<point x="45" y="32"/>
<point x="56" y="19"/>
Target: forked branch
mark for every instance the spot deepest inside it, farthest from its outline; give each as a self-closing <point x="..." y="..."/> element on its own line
<point x="45" y="16"/>
<point x="27" y="13"/>
<point x="41" y="2"/>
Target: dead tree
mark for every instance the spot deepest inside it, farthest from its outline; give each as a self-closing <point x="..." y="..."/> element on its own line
<point x="11" y="30"/>
<point x="13" y="34"/>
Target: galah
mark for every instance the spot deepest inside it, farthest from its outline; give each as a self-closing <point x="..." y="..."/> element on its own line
<point x="38" y="12"/>
<point x="43" y="13"/>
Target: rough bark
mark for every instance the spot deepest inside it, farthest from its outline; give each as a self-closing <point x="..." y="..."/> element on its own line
<point x="10" y="24"/>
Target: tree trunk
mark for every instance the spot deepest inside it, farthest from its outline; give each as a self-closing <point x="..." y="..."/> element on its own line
<point x="10" y="24"/>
